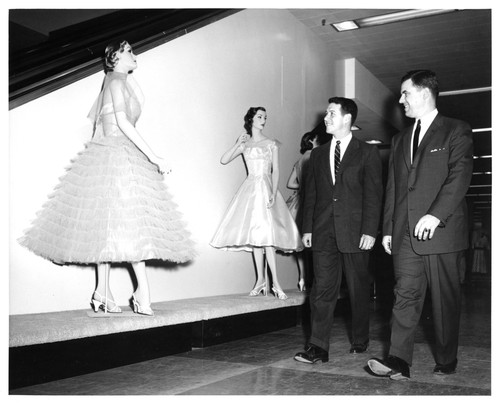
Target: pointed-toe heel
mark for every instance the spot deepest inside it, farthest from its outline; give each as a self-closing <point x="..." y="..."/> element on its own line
<point x="259" y="289"/>
<point x="141" y="309"/>
<point x="279" y="294"/>
<point x="106" y="304"/>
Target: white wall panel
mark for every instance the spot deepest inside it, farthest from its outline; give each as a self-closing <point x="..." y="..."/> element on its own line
<point x="198" y="88"/>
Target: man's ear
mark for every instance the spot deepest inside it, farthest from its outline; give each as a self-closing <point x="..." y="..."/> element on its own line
<point x="427" y="93"/>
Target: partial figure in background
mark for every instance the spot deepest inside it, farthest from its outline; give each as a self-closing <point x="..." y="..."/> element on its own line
<point x="112" y="205"/>
<point x="480" y="248"/>
<point x="295" y="182"/>
<point x="257" y="219"/>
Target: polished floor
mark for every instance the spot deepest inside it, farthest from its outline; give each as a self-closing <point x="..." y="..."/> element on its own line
<point x="264" y="365"/>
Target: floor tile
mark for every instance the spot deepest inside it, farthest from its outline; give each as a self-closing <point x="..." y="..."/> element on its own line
<point x="165" y="376"/>
<point x="276" y="381"/>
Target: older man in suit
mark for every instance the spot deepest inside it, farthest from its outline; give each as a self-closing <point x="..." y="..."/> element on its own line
<point x="341" y="215"/>
<point x="425" y="225"/>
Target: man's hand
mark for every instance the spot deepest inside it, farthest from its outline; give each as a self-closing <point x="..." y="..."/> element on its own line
<point x="387" y="243"/>
<point x="307" y="240"/>
<point x="366" y="242"/>
<point x="425" y="227"/>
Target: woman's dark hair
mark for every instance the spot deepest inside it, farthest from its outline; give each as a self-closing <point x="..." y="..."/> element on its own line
<point x="249" y="118"/>
<point x="423" y="79"/>
<point x="305" y="143"/>
<point x="110" y="54"/>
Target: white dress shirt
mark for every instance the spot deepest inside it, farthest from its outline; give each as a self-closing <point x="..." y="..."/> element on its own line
<point x="344" y="143"/>
<point x="425" y="123"/>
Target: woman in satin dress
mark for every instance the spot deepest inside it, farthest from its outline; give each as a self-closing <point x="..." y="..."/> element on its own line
<point x="112" y="205"/>
<point x="309" y="141"/>
<point x="257" y="219"/>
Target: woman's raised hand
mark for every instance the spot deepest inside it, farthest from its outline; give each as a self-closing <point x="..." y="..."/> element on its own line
<point x="244" y="137"/>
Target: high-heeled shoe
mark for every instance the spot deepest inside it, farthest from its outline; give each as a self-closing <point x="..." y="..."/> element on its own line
<point x="302" y="285"/>
<point x="279" y="293"/>
<point x="141" y="309"/>
<point x="258" y="289"/>
<point x="98" y="301"/>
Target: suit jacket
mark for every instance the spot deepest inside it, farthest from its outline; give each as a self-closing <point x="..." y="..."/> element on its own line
<point x="353" y="205"/>
<point x="436" y="184"/>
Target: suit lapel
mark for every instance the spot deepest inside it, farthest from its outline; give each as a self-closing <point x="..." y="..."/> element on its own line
<point x="406" y="147"/>
<point x="349" y="155"/>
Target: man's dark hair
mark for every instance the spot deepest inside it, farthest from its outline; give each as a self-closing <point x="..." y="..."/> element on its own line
<point x="347" y="106"/>
<point x="424" y="79"/>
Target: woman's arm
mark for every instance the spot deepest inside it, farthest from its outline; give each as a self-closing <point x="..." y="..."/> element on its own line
<point x="235" y="150"/>
<point x="129" y="130"/>
<point x="275" y="175"/>
<point x="293" y="181"/>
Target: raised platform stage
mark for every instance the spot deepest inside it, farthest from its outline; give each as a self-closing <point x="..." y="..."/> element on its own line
<point x="51" y="346"/>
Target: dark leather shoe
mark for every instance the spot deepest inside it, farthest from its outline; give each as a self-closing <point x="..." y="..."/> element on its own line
<point x="312" y="354"/>
<point x="394" y="368"/>
<point x="449" y="368"/>
<point x="359" y="347"/>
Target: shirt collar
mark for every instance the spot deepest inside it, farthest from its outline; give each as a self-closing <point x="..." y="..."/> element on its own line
<point x="344" y="141"/>
<point x="427" y="119"/>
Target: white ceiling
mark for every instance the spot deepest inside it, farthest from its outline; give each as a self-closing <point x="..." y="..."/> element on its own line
<point x="457" y="46"/>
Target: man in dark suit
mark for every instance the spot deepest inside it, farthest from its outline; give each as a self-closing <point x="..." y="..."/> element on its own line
<point x="425" y="225"/>
<point x="342" y="209"/>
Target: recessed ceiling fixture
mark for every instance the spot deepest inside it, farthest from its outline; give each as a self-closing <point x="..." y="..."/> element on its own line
<point x="374" y="141"/>
<point x="345" y="25"/>
<point x="387" y="19"/>
<point x="355" y="128"/>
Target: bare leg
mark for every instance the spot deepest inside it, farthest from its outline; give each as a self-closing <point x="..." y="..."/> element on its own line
<point x="301" y="266"/>
<point x="258" y="255"/>
<point x="142" y="292"/>
<point x="271" y="261"/>
<point x="103" y="270"/>
<point x="260" y="284"/>
<point x="141" y="297"/>
<point x="102" y="294"/>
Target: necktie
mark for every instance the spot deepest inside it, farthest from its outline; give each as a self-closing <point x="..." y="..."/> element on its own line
<point x="337" y="157"/>
<point x="415" y="140"/>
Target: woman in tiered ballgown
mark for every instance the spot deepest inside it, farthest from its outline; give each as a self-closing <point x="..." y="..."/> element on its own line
<point x="112" y="204"/>
<point x="257" y="219"/>
<point x="295" y="182"/>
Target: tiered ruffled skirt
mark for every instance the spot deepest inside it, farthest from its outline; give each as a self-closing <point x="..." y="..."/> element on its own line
<point x="110" y="206"/>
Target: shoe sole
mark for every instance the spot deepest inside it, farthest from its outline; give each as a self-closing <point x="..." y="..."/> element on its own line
<point x="379" y="369"/>
<point x="302" y="360"/>
<point x="384" y="371"/>
<point x="398" y="377"/>
<point x="443" y="373"/>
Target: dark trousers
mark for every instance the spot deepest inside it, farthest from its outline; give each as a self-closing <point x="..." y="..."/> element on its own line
<point x="328" y="264"/>
<point x="413" y="274"/>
